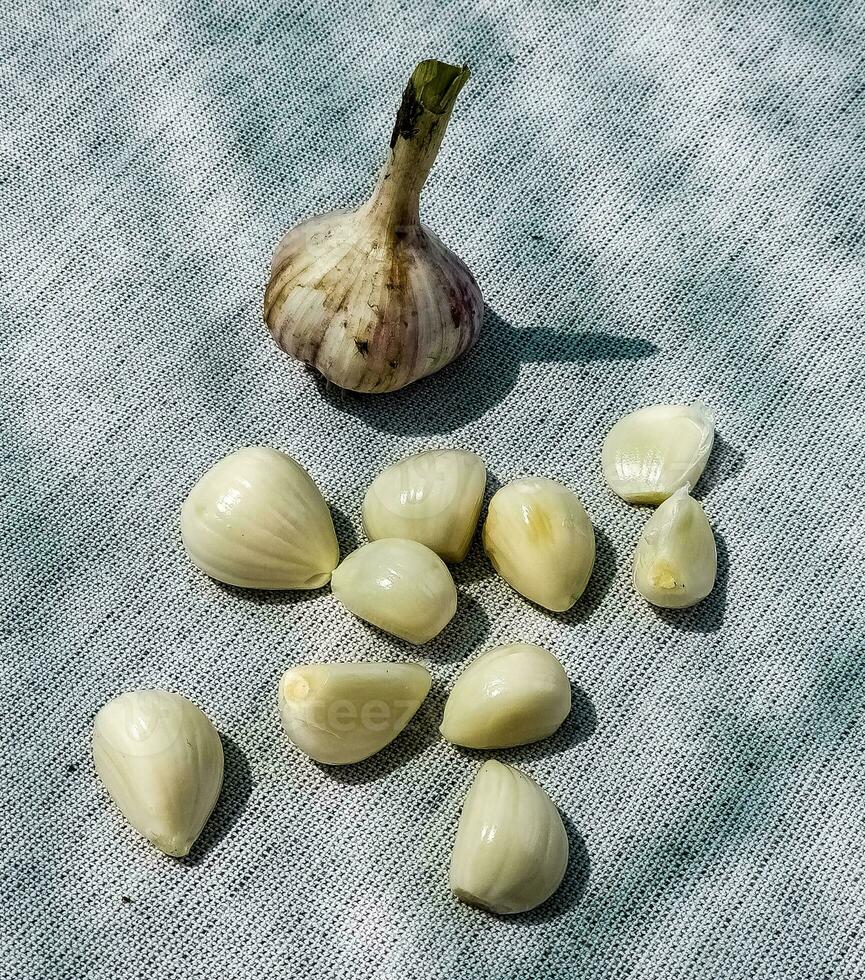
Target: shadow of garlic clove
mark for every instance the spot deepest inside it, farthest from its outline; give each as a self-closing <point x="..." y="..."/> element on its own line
<point x="539" y="538"/>
<point x="511" y="848"/>
<point x="511" y="695"/>
<point x="400" y="586"/>
<point x="371" y="298"/>
<point x="342" y="713"/>
<point x="161" y="760"/>
<point x="257" y="520"/>
<point x="676" y="560"/>
<point x="432" y="497"/>
<point x="653" y="452"/>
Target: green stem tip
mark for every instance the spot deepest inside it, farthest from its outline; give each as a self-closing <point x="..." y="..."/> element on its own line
<point x="437" y="85"/>
<point x="432" y="88"/>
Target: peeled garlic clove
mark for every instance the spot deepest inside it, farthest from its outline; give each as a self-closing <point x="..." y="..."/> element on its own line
<point x="434" y="498"/>
<point x="511" y="850"/>
<point x="257" y="520"/>
<point x="540" y="540"/>
<point x="371" y="298"/>
<point x="511" y="695"/>
<point x="652" y="452"/>
<point x="400" y="586"/>
<point x="676" y="561"/>
<point x="342" y="713"/>
<point x="161" y="761"/>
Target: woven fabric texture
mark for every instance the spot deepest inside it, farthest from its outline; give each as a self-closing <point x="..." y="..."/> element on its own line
<point x="661" y="202"/>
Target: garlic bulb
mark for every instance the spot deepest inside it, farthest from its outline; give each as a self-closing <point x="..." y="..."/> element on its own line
<point x="676" y="562"/>
<point x="654" y="451"/>
<point x="400" y="586"/>
<point x="540" y="540"/>
<point x="161" y="761"/>
<point x="371" y="298"/>
<point x="256" y="519"/>
<point x="434" y="498"/>
<point x="511" y="850"/>
<point x="511" y="695"/>
<point x="342" y="713"/>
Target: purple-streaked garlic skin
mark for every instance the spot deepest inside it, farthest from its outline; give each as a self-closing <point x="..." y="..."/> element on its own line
<point x="370" y="315"/>
<point x="371" y="298"/>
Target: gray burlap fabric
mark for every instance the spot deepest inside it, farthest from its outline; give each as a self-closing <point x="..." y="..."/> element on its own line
<point x="660" y="202"/>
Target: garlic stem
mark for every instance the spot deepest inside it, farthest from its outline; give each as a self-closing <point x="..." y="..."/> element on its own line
<point x="420" y="126"/>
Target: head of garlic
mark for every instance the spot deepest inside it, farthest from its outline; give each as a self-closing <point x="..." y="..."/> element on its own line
<point x="371" y="298"/>
<point x="655" y="451"/>
<point x="433" y="497"/>
<point x="540" y="540"/>
<point x="400" y="586"/>
<point x="676" y="561"/>
<point x="161" y="760"/>
<point x="511" y="695"/>
<point x="256" y="519"/>
<point x="511" y="849"/>
<point x="342" y="713"/>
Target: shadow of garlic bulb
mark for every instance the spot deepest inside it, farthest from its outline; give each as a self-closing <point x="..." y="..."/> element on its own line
<point x="371" y="298"/>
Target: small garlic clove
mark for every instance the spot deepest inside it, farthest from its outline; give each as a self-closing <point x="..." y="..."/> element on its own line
<point x="511" y="695"/>
<point x="676" y="561"/>
<point x="342" y="713"/>
<point x="433" y="497"/>
<point x="655" y="451"/>
<point x="161" y="761"/>
<point x="257" y="520"/>
<point x="511" y="849"/>
<point x="540" y="540"/>
<point x="400" y="586"/>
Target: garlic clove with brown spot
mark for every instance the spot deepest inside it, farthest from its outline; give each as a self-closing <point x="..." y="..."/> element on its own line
<point x="342" y="713"/>
<point x="433" y="497"/>
<point x="676" y="561"/>
<point x="540" y="540"/>
<point x="371" y="298"/>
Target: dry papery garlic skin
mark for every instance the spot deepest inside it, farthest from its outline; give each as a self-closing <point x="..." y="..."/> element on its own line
<point x="257" y="520"/>
<point x="653" y="452"/>
<point x="676" y="560"/>
<point x="433" y="497"/>
<point x="371" y="298"/>
<point x="400" y="586"/>
<point x="342" y="713"/>
<point x="511" y="849"/>
<point x="161" y="760"/>
<point x="511" y="695"/>
<point x="540" y="540"/>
